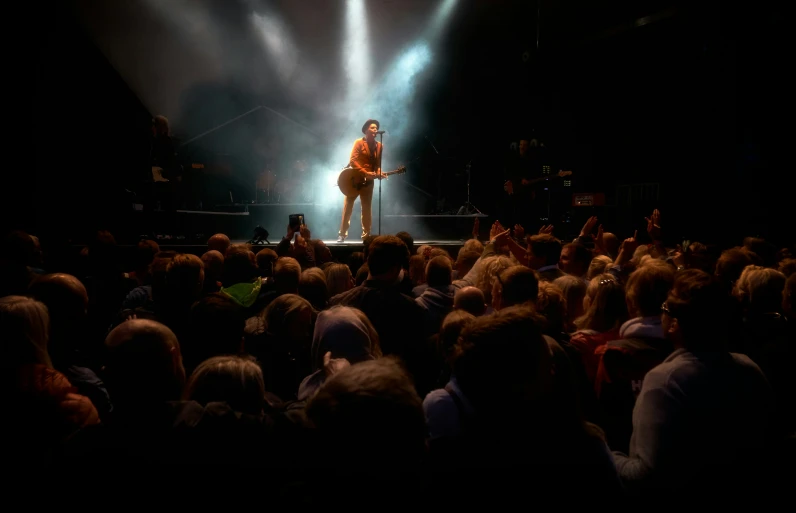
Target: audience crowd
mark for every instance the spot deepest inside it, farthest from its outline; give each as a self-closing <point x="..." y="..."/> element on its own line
<point x="594" y="368"/>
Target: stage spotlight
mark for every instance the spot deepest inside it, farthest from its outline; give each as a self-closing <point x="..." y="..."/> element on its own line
<point x="356" y="55"/>
<point x="260" y="236"/>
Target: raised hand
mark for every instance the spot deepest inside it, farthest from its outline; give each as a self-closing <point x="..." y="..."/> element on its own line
<point x="654" y="225"/>
<point x="476" y="227"/>
<point x="502" y="238"/>
<point x="598" y="240"/>
<point x="305" y="232"/>
<point x="519" y="231"/>
<point x="630" y="245"/>
<point x="547" y="230"/>
<point x="494" y="230"/>
<point x="589" y="226"/>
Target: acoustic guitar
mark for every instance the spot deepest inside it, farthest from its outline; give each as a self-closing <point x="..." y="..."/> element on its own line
<point x="352" y="180"/>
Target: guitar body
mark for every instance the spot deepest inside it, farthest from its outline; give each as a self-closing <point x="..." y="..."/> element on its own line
<point x="352" y="180"/>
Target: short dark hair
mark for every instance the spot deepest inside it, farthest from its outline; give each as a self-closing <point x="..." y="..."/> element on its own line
<point x="520" y="285"/>
<point x="240" y="265"/>
<point x="546" y="246"/>
<point x="370" y="413"/>
<point x="265" y="259"/>
<point x="366" y="242"/>
<point x="647" y="287"/>
<point x="145" y="252"/>
<point x="495" y="352"/>
<point x="702" y="307"/>
<point x="731" y="264"/>
<point x="582" y="253"/>
<point x="408" y="240"/>
<point x="438" y="272"/>
<point x="215" y="328"/>
<point x="385" y="252"/>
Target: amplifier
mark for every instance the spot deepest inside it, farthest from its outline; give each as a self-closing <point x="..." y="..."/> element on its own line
<point x="588" y="199"/>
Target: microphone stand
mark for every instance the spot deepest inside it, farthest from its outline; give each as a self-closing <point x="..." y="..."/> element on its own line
<point x="381" y="139"/>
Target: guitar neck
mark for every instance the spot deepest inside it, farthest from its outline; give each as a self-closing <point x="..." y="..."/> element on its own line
<point x="542" y="178"/>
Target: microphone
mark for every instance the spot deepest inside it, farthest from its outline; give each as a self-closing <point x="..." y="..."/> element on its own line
<point x="380" y="132"/>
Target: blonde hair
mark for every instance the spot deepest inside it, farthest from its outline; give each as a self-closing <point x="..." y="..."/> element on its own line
<point x="287" y="273"/>
<point x="760" y="288"/>
<point x="648" y="287"/>
<point x="574" y="290"/>
<point x="490" y="268"/>
<point x="598" y="266"/>
<point x="235" y="380"/>
<point x="338" y="279"/>
<point x="638" y="255"/>
<point x="424" y="250"/>
<point x="552" y="304"/>
<point x="282" y="311"/>
<point x="607" y="308"/>
<point x="473" y="245"/>
<point x="25" y="327"/>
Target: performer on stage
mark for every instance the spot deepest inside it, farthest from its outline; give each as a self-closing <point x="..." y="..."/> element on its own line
<point x="522" y="173"/>
<point x="163" y="151"/>
<point x="365" y="157"/>
<point x="166" y="168"/>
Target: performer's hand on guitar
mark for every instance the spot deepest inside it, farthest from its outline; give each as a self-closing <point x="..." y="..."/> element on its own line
<point x="525" y="181"/>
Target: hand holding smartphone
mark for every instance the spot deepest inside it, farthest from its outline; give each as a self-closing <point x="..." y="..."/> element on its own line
<point x="295" y="221"/>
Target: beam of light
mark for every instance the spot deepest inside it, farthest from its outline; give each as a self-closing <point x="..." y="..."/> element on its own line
<point x="278" y="43"/>
<point x="356" y="53"/>
<point x="390" y="100"/>
<point x="439" y="19"/>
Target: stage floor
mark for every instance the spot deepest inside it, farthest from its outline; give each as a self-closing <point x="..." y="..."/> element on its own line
<point x="349" y="244"/>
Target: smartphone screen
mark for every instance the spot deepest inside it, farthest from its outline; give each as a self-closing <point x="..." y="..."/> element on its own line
<point x="296" y="220"/>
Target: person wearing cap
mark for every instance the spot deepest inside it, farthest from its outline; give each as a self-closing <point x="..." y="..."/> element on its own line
<point x="366" y="158"/>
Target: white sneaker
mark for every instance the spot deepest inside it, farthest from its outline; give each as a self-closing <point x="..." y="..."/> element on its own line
<point x="340" y="238"/>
